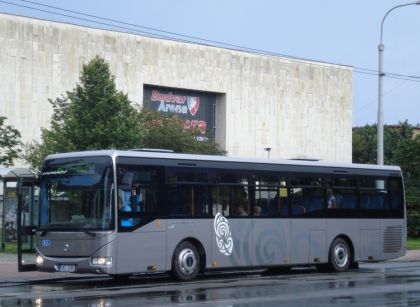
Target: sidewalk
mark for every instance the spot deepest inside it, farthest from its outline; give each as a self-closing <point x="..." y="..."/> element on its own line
<point x="9" y="273"/>
<point x="411" y="255"/>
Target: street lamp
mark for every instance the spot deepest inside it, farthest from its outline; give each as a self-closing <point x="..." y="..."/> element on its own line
<point x="380" y="145"/>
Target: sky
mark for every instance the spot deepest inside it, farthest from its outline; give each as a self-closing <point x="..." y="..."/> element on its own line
<point x="333" y="31"/>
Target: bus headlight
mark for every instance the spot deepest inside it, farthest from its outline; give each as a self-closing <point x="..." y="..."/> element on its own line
<point x="101" y="261"/>
<point x="39" y="260"/>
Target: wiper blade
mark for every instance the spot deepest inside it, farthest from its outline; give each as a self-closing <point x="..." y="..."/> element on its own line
<point x="44" y="232"/>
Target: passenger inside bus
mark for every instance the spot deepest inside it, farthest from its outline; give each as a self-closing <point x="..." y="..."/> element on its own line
<point x="125" y="207"/>
<point x="332" y="203"/>
<point x="241" y="211"/>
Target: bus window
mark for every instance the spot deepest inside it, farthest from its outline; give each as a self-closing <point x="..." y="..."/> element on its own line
<point x="187" y="200"/>
<point x="240" y="200"/>
<point x="373" y="194"/>
<point x="230" y="201"/>
<point x="397" y="200"/>
<point x="297" y="202"/>
<point x="220" y="200"/>
<point x="307" y="196"/>
<point x="344" y="191"/>
<point x="270" y="198"/>
<point x="230" y="194"/>
<point x="138" y="192"/>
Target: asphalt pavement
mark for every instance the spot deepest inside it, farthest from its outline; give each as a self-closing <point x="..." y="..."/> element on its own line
<point x="9" y="271"/>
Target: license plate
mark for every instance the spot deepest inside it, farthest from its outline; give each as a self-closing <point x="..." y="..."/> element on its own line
<point x="70" y="268"/>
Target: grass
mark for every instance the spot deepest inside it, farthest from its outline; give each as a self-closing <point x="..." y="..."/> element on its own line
<point x="413" y="243"/>
<point x="10" y="247"/>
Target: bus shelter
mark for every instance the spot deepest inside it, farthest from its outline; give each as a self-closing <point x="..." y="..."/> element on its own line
<point x="9" y="178"/>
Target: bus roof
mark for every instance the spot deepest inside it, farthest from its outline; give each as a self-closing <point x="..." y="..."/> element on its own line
<point x="194" y="157"/>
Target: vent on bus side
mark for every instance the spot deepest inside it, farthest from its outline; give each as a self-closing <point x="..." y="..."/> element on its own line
<point x="393" y="239"/>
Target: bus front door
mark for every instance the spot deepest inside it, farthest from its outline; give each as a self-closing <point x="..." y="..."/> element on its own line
<point x="27" y="216"/>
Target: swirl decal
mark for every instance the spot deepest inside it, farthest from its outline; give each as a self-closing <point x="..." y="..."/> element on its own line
<point x="223" y="236"/>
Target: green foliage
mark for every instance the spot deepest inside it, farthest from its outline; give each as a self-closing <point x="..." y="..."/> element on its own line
<point x="400" y="148"/>
<point x="364" y="144"/>
<point x="413" y="226"/>
<point x="9" y="143"/>
<point x="167" y="132"/>
<point x="413" y="243"/>
<point x="95" y="115"/>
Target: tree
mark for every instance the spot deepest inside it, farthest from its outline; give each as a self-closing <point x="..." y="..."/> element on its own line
<point x="407" y="155"/>
<point x="364" y="144"/>
<point x="9" y="143"/>
<point x="94" y="115"/>
<point x="168" y="132"/>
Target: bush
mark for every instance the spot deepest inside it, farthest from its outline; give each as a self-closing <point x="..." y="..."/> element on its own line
<point x="413" y="226"/>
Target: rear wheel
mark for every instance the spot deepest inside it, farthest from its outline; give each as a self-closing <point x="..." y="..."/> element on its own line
<point x="339" y="256"/>
<point x="185" y="262"/>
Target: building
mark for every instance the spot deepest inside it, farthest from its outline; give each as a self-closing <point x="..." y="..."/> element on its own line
<point x="298" y="108"/>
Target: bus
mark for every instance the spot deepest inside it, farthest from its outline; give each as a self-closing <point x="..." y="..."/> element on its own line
<point x="131" y="212"/>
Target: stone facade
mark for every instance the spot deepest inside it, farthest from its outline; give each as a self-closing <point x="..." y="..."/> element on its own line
<point x="300" y="109"/>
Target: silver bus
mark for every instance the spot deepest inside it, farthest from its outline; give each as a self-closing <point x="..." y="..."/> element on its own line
<point x="125" y="212"/>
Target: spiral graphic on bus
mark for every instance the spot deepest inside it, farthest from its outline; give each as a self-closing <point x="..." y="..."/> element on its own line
<point x="223" y="236"/>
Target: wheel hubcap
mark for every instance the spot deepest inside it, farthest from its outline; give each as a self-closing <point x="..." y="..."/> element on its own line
<point x="187" y="262"/>
<point x="341" y="255"/>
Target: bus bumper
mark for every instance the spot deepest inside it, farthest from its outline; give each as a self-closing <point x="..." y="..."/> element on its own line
<point x="81" y="265"/>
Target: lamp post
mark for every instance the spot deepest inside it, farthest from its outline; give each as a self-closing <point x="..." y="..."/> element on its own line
<point x="381" y="74"/>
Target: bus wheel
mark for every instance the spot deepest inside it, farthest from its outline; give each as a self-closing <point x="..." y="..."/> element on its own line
<point x="185" y="262"/>
<point x="340" y="255"/>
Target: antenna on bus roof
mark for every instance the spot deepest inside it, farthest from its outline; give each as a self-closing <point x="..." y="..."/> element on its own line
<point x="153" y="150"/>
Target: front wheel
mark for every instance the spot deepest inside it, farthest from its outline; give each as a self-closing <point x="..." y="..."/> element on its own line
<point x="185" y="262"/>
<point x="339" y="256"/>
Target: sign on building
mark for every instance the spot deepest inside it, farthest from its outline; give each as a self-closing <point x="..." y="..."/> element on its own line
<point x="195" y="108"/>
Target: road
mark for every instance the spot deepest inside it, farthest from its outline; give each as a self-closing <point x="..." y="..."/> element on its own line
<point x="379" y="284"/>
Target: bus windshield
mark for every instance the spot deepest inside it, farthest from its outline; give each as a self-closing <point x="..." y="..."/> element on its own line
<point x="77" y="194"/>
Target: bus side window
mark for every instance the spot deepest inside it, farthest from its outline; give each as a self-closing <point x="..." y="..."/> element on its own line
<point x="296" y="197"/>
<point x="307" y="196"/>
<point x="220" y="200"/>
<point x="139" y="186"/>
<point x="395" y="186"/>
<point x="373" y="194"/>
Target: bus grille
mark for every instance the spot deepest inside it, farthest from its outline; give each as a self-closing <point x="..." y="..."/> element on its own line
<point x="393" y="239"/>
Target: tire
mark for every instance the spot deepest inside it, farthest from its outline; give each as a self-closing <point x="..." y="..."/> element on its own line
<point x="185" y="262"/>
<point x="339" y="257"/>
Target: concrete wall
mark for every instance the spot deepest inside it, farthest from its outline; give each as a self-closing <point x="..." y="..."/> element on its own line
<point x="298" y="108"/>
